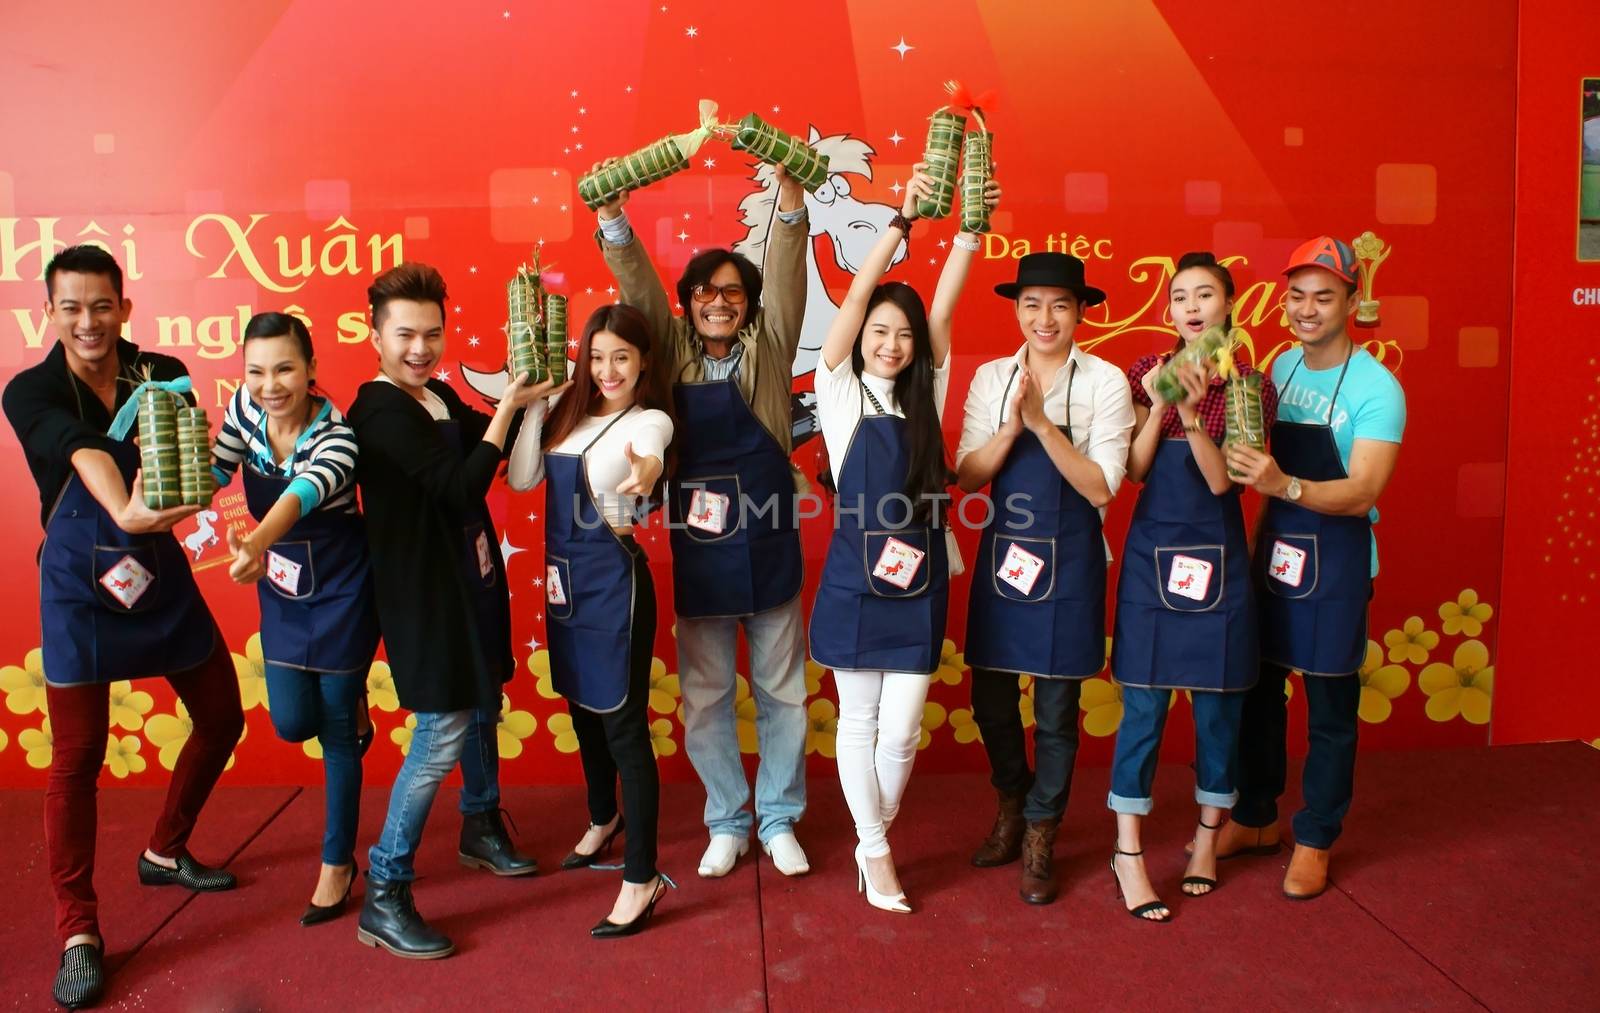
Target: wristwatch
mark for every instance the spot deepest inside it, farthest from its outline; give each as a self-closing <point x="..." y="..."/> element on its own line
<point x="1292" y="493"/>
<point x="1194" y="427"/>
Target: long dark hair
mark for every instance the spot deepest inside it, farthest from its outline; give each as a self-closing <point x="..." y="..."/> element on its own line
<point x="651" y="391"/>
<point x="1207" y="261"/>
<point x="927" y="473"/>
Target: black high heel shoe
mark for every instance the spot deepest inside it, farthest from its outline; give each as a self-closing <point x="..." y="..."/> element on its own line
<point x="1143" y="909"/>
<point x="1206" y="881"/>
<point x="316" y="914"/>
<point x="608" y="929"/>
<point x="577" y="861"/>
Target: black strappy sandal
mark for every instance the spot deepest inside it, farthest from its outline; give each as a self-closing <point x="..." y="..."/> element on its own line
<point x="1143" y="909"/>
<point x="1209" y="883"/>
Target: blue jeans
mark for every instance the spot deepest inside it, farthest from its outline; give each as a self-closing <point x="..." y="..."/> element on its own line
<point x="306" y="705"/>
<point x="1216" y="737"/>
<point x="437" y="744"/>
<point x="777" y="642"/>
<point x="1055" y="739"/>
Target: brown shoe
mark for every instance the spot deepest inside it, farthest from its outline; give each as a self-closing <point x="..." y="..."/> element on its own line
<point x="1004" y="843"/>
<point x="1038" y="869"/>
<point x="1308" y="873"/>
<point x="1236" y="839"/>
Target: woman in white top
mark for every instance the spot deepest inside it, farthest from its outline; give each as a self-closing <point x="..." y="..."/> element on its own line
<point x="878" y="619"/>
<point x="602" y="453"/>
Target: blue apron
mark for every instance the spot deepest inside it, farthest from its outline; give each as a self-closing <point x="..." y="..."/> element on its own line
<point x="1316" y="568"/>
<point x="1186" y="613"/>
<point x="317" y="613"/>
<point x="1038" y="601"/>
<point x="484" y="573"/>
<point x="589" y="587"/>
<point x="867" y="614"/>
<point x="753" y="563"/>
<point x="113" y="605"/>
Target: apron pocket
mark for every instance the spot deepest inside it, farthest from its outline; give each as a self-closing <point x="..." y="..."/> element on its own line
<point x="709" y="506"/>
<point x="1190" y="578"/>
<point x="896" y="562"/>
<point x="480" y="554"/>
<point x="1291" y="567"/>
<point x="125" y="576"/>
<point x="557" y="587"/>
<point x="289" y="570"/>
<point x="1025" y="568"/>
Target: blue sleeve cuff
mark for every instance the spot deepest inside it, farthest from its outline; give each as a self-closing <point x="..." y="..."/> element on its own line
<point x="616" y="231"/>
<point x="792" y="217"/>
<point x="222" y="477"/>
<point x="305" y="491"/>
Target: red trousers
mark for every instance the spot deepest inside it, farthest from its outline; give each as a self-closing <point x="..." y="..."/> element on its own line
<point x="80" y="718"/>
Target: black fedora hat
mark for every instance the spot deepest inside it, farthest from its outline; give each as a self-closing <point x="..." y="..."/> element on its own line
<point x="1052" y="270"/>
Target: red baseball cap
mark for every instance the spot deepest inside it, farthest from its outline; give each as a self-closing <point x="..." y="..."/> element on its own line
<point x="1325" y="252"/>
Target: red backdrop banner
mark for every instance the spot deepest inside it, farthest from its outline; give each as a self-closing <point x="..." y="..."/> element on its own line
<point x="277" y="155"/>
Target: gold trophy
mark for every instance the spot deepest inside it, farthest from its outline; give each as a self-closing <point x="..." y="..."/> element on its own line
<point x="1370" y="253"/>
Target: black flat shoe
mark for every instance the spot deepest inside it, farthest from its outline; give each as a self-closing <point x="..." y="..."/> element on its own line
<point x="316" y="914"/>
<point x="577" y="861"/>
<point x="82" y="977"/>
<point x="608" y="929"/>
<point x="189" y="873"/>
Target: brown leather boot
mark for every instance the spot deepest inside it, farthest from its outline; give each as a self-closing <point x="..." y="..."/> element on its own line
<point x="1236" y="839"/>
<point x="1038" y="865"/>
<point x="1308" y="873"/>
<point x="1004" y="842"/>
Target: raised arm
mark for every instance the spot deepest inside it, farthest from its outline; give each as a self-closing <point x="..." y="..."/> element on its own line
<point x="954" y="276"/>
<point x="783" y="289"/>
<point x="853" y="311"/>
<point x="641" y="286"/>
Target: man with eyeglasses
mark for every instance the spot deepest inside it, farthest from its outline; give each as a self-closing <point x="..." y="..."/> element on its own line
<point x="735" y="536"/>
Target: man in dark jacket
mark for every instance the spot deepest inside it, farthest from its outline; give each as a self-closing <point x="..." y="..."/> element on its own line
<point x="426" y="464"/>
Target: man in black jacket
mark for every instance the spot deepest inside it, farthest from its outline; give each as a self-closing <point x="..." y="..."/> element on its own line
<point x="426" y="464"/>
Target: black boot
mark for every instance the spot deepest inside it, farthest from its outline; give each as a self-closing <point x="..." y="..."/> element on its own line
<point x="389" y="919"/>
<point x="82" y="977"/>
<point x="486" y="845"/>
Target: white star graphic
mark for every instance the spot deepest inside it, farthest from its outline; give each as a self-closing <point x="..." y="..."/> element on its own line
<point x="895" y="138"/>
<point x="458" y="309"/>
<point x="473" y="269"/>
<point x="473" y="341"/>
<point x="943" y="244"/>
<point x="932" y="261"/>
<point x="532" y="518"/>
<point x="691" y="31"/>
<point x="458" y="329"/>
<point x="776" y="109"/>
<point x="711" y="163"/>
<point x="902" y="48"/>
<point x="574" y="93"/>
<point x="533" y="644"/>
<point x="538" y="582"/>
<point x="563" y="207"/>
<point x="566" y="151"/>
<point x="507" y="550"/>
<point x="611" y="290"/>
<point x="682" y="235"/>
<point x="574" y="128"/>
<point x="443" y="374"/>
<point x="686" y="216"/>
<point x="539" y="616"/>
<point x="663" y="8"/>
<point x="897" y="188"/>
<point x="535" y="200"/>
<point x="505" y="14"/>
<point x="582" y="111"/>
<point x="588" y="291"/>
<point x="577" y="147"/>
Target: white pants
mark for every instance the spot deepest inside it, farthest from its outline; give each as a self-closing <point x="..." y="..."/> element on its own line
<point x="880" y="725"/>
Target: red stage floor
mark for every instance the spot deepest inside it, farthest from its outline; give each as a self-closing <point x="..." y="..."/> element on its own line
<point x="1463" y="882"/>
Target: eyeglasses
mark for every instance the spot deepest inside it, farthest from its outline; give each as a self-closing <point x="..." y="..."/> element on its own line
<point x="733" y="295"/>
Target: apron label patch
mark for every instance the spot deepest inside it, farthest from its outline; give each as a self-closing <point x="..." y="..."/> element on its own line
<point x="127" y="581"/>
<point x="485" y="561"/>
<point x="1288" y="564"/>
<point x="1190" y="577"/>
<point x="1020" y="568"/>
<point x="708" y="511"/>
<point x="285" y="573"/>
<point x="554" y="593"/>
<point x="898" y="563"/>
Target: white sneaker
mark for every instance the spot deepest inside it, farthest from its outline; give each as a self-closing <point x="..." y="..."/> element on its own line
<point x="725" y="849"/>
<point x="787" y="855"/>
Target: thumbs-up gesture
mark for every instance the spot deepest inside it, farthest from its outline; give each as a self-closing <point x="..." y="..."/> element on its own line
<point x="643" y="472"/>
<point x="247" y="566"/>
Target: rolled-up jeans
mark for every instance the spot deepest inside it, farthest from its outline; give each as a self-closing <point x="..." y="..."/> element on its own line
<point x="438" y="742"/>
<point x="1216" y="738"/>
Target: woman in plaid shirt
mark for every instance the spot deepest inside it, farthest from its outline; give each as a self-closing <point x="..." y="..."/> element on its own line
<point x="1186" y="614"/>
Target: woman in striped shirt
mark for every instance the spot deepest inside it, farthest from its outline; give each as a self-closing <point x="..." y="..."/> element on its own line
<point x="308" y="559"/>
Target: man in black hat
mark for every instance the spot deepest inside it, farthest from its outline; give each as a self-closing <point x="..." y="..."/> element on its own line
<point x="1047" y="429"/>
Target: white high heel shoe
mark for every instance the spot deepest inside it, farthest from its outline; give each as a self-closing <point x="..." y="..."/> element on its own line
<point x="881" y="901"/>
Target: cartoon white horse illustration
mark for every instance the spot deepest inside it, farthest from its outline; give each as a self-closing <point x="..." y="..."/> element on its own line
<point x="204" y="536"/>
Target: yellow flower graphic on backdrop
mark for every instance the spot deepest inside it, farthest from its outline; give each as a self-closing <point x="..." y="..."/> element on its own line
<point x="951" y="664"/>
<point x="814" y="674"/>
<point x="965" y="728"/>
<point x="1380" y="684"/>
<point x="1101" y="703"/>
<point x="512" y="728"/>
<point x="744" y="716"/>
<point x="4" y="741"/>
<point x="560" y="727"/>
<point x="380" y="688"/>
<point x="661" y="737"/>
<point x="663" y="687"/>
<point x="539" y="665"/>
<point x="129" y="706"/>
<point x="168" y="733"/>
<point x="24" y="686"/>
<point x="1025" y="701"/>
<point x="1466" y="615"/>
<point x="252" y="672"/>
<point x="822" y="721"/>
<point x="1464" y="687"/>
<point x="933" y="716"/>
<point x="1411" y="642"/>
<point x="122" y="755"/>
<point x="401" y="736"/>
<point x="35" y="743"/>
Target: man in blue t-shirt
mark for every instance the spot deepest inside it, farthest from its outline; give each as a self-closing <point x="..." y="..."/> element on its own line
<point x="1340" y="418"/>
